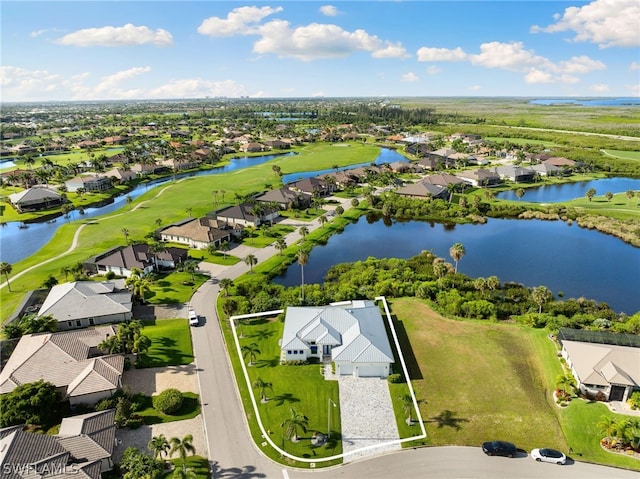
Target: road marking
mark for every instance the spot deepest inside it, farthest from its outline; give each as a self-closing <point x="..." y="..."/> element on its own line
<point x="285" y="474"/>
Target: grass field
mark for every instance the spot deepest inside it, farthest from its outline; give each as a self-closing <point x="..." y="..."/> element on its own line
<point x="170" y="342"/>
<point x="520" y="141"/>
<point x="625" y="155"/>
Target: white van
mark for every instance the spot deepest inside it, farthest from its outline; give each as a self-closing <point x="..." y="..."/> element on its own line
<point x="193" y="317"/>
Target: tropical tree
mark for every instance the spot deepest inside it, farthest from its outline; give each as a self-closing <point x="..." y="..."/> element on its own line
<point x="281" y="245"/>
<point x="609" y="196"/>
<point x="456" y="252"/>
<point x="159" y="446"/>
<point x="541" y="295"/>
<point x="129" y="200"/>
<point x="190" y="266"/>
<point x="224" y="247"/>
<point x="251" y="350"/>
<point x="630" y="194"/>
<point x="407" y="406"/>
<point x="566" y="383"/>
<point x="520" y="193"/>
<point x="339" y="210"/>
<point x="262" y="386"/>
<point x="293" y="424"/>
<point x="125" y="232"/>
<point x="303" y="231"/>
<point x="303" y="259"/>
<point x="5" y="269"/>
<point x="591" y="193"/>
<point x="322" y="219"/>
<point x="182" y="447"/>
<point x="251" y="260"/>
<point x="225" y="284"/>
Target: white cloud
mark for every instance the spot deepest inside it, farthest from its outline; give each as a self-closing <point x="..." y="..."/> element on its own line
<point x="475" y="87"/>
<point x="37" y="33"/>
<point x="319" y="40"/>
<point x="600" y="88"/>
<point x="433" y="70"/>
<point x="608" y="23"/>
<point x="318" y="94"/>
<point x="239" y="21"/>
<point x="536" y="76"/>
<point x="507" y="56"/>
<point x="426" y="54"/>
<point x="410" y="77"/>
<point x="117" y="36"/>
<point x="199" y="88"/>
<point x="329" y="10"/>
<point x="634" y="90"/>
<point x="635" y="66"/>
<point x="582" y="64"/>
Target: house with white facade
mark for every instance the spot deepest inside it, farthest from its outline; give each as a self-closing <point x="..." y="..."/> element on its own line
<point x="352" y="335"/>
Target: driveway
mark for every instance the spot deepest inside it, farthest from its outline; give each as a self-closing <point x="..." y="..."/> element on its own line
<point x="366" y="416"/>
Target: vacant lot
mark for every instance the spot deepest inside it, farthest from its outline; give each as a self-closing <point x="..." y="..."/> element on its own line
<point x="170" y="342"/>
<point x="478" y="380"/>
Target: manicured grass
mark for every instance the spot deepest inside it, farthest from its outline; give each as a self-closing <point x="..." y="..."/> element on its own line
<point x="478" y="380"/>
<point x="190" y="408"/>
<point x="625" y="155"/>
<point x="174" y="288"/>
<point x="302" y="388"/>
<point x="520" y="141"/>
<point x="198" y="464"/>
<point x="170" y="342"/>
<point x="579" y="422"/>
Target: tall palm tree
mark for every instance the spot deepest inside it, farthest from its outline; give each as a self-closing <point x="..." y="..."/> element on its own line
<point x="224" y="247"/>
<point x="251" y="350"/>
<point x="322" y="219"/>
<point x="6" y="268"/>
<point x="251" y="260"/>
<point x="304" y="231"/>
<point x="456" y="252"/>
<point x="565" y="382"/>
<point x="125" y="232"/>
<point x="294" y="423"/>
<point x="540" y="296"/>
<point x="159" y="446"/>
<point x="225" y="284"/>
<point x="303" y="259"/>
<point x="182" y="447"/>
<point x="262" y="385"/>
<point x="281" y="245"/>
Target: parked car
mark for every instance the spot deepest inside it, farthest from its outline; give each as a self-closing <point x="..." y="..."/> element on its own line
<point x="549" y="455"/>
<point x="499" y="448"/>
<point x="193" y="317"/>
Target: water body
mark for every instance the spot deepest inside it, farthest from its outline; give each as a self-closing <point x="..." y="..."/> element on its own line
<point x="569" y="259"/>
<point x="386" y="156"/>
<point x="17" y="244"/>
<point x="570" y="191"/>
<point x="588" y="101"/>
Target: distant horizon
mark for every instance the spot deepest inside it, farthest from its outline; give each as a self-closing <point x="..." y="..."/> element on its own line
<point x="164" y="49"/>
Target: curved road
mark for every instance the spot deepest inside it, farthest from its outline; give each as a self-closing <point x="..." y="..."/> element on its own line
<point x="233" y="454"/>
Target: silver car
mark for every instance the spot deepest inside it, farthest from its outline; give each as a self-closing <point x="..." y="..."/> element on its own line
<point x="549" y="455"/>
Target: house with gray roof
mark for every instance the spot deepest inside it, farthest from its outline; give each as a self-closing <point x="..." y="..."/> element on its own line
<point x="200" y="232"/>
<point x="422" y="189"/>
<point x="87" y="303"/>
<point x="246" y="214"/>
<point x="286" y="198"/>
<point x="35" y="199"/>
<point x="611" y="369"/>
<point x="70" y="360"/>
<point x="350" y="334"/>
<point x="122" y="259"/>
<point x="82" y="449"/>
<point x="480" y="177"/>
<point x="517" y="174"/>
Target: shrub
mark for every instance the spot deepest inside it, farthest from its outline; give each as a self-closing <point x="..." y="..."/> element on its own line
<point x="134" y="423"/>
<point x="395" y="378"/>
<point x="634" y="400"/>
<point x="127" y="364"/>
<point x="600" y="396"/>
<point x="110" y="275"/>
<point x="168" y="401"/>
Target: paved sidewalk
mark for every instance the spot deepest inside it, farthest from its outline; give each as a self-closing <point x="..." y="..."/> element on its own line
<point x="367" y="418"/>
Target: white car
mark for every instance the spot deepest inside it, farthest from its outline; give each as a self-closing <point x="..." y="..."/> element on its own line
<point x="549" y="455"/>
<point x="193" y="317"/>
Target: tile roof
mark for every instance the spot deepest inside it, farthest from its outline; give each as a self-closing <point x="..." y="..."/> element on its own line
<point x="604" y="364"/>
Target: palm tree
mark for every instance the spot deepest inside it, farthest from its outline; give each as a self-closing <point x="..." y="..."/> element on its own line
<point x="129" y="200"/>
<point x="591" y="193"/>
<point x="66" y="270"/>
<point x="520" y="193"/>
<point x="190" y="266"/>
<point x="125" y="232"/>
<point x="303" y="259"/>
<point x="294" y="423"/>
<point x="540" y="296"/>
<point x="565" y="382"/>
<point x="189" y="210"/>
<point x="224" y="247"/>
<point x="304" y="231"/>
<point x="281" y="245"/>
<point x="159" y="446"/>
<point x="250" y="350"/>
<point x="182" y="447"/>
<point x="322" y="219"/>
<point x="225" y="284"/>
<point x="6" y="268"/>
<point x="456" y="252"/>
<point x="262" y="386"/>
<point x="609" y="426"/>
<point x="251" y="260"/>
<point x="609" y="196"/>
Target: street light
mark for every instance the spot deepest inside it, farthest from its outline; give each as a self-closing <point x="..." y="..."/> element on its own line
<point x="329" y="417"/>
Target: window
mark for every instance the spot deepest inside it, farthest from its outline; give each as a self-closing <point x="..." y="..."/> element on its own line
<point x="295" y="351"/>
<point x="288" y="351"/>
<point x="301" y="351"/>
<point x="91" y="322"/>
<point x="78" y="323"/>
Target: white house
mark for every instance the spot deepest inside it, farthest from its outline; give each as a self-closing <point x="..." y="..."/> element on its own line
<point x="351" y="334"/>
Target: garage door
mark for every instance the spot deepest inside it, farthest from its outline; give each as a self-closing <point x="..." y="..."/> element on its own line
<point x="372" y="370"/>
<point x="344" y="369"/>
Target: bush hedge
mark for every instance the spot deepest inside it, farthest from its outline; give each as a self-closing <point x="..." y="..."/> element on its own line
<point x="168" y="401"/>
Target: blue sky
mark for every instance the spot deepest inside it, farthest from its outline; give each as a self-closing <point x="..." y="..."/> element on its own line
<point x="86" y="50"/>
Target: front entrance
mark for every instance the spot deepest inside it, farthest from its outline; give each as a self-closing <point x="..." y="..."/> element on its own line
<point x="617" y="393"/>
<point x="326" y="350"/>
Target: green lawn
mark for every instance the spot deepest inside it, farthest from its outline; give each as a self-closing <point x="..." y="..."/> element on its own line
<point x="190" y="408"/>
<point x="174" y="288"/>
<point x="199" y="465"/>
<point x="170" y="342"/>
<point x="520" y="141"/>
<point x="302" y="388"/>
<point x="625" y="155"/>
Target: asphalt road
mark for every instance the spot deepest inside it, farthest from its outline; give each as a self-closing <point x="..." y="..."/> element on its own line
<point x="233" y="454"/>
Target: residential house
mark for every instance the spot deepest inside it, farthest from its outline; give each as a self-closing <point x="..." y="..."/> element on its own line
<point x="199" y="232"/>
<point x="82" y="449"/>
<point x="86" y="303"/>
<point x="351" y="334"/>
<point x="422" y="189"/>
<point x="480" y="177"/>
<point x="35" y="199"/>
<point x="252" y="147"/>
<point x="177" y="164"/>
<point x="119" y="174"/>
<point x="277" y="144"/>
<point x="122" y="259"/>
<point x="443" y="179"/>
<point x="610" y="369"/>
<point x="247" y="214"/>
<point x="286" y="198"/>
<point x="89" y="183"/>
<point x="546" y="169"/>
<point x="115" y="140"/>
<point x="88" y="144"/>
<point x="313" y="186"/>
<point x="70" y="360"/>
<point x="517" y="174"/>
<point x="560" y="162"/>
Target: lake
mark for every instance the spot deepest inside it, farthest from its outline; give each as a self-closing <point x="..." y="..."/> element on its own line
<point x="588" y="101"/>
<point x="570" y="191"/>
<point x="568" y="259"/>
